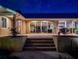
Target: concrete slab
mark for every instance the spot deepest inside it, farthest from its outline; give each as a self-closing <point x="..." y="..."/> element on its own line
<point x="42" y="55"/>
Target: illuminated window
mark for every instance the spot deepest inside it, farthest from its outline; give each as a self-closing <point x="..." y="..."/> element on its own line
<point x="41" y="27"/>
<point x="4" y="23"/>
<point x="18" y="26"/>
<point x="62" y="24"/>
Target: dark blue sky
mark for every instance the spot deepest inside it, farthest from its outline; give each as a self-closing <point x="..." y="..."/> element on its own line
<point x="42" y="6"/>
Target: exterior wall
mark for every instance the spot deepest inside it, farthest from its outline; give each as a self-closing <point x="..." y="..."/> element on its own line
<point x="54" y="21"/>
<point x="21" y="26"/>
<point x="24" y="27"/>
<point x="29" y="21"/>
<point x="6" y="31"/>
<point x="28" y="27"/>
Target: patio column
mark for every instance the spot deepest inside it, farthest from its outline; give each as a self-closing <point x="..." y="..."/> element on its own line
<point x="35" y="27"/>
<point x="41" y="26"/>
<point x="72" y="26"/>
<point x="47" y="26"/>
<point x="65" y="25"/>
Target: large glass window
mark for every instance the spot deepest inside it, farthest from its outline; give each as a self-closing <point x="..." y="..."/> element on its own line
<point x="33" y="27"/>
<point x="68" y="26"/>
<point x="50" y="27"/>
<point x="41" y="27"/>
<point x="62" y="24"/>
<point x="38" y="27"/>
<point x="18" y="26"/>
<point x="44" y="26"/>
<point x="72" y="27"/>
<point x="4" y="22"/>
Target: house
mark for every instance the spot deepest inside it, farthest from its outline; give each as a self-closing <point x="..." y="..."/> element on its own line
<point x="35" y="25"/>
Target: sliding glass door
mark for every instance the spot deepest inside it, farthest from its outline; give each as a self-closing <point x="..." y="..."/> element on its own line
<point x="38" y="27"/>
<point x="44" y="26"/>
<point x="41" y="27"/>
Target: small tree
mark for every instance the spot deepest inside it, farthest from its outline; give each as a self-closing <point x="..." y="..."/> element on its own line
<point x="14" y="33"/>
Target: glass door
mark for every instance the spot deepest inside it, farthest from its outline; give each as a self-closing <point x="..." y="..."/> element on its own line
<point x="38" y="27"/>
<point x="41" y="27"/>
<point x="44" y="26"/>
<point x="33" y="27"/>
<point x="50" y="27"/>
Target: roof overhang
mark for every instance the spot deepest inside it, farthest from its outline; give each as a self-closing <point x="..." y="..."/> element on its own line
<point x="9" y="13"/>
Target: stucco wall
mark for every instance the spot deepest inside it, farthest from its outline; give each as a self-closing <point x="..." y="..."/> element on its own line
<point x="6" y="31"/>
<point x="28" y="27"/>
<point x="23" y="27"/>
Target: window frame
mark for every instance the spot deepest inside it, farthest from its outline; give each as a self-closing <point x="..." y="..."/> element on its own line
<point x="4" y="22"/>
<point x="1" y="22"/>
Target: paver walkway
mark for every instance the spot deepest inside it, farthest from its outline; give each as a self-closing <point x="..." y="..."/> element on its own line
<point x="42" y="55"/>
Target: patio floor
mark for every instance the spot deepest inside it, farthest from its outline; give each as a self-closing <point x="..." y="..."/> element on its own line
<point x="42" y="55"/>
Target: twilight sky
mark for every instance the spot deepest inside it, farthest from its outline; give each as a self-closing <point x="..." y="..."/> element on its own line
<point x="42" y="6"/>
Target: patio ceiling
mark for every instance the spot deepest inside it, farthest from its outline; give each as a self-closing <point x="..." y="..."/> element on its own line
<point x="5" y="11"/>
<point x="9" y="13"/>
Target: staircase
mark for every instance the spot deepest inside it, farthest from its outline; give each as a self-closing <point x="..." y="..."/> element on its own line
<point x="39" y="44"/>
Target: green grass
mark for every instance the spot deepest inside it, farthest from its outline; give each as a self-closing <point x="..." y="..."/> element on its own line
<point x="10" y="43"/>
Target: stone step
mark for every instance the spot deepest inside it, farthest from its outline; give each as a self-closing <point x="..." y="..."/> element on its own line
<point x="39" y="38"/>
<point x="40" y="48"/>
<point x="31" y="42"/>
<point x="39" y="44"/>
